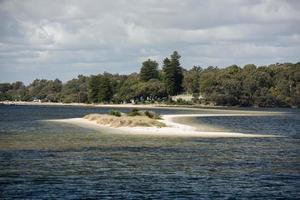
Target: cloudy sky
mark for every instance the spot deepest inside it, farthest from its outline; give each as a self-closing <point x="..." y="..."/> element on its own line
<point x="61" y="39"/>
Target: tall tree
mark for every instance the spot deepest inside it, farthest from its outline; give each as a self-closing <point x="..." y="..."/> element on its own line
<point x="149" y="70"/>
<point x="173" y="74"/>
<point x="93" y="89"/>
<point x="105" y="92"/>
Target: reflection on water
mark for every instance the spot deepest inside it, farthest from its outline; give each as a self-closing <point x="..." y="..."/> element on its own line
<point x="42" y="160"/>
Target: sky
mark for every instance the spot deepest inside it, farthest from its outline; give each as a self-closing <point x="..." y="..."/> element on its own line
<point x="62" y="39"/>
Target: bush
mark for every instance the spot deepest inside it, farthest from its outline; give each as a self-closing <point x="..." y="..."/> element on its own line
<point x="181" y="101"/>
<point x="152" y="115"/>
<point x="115" y="113"/>
<point x="134" y="112"/>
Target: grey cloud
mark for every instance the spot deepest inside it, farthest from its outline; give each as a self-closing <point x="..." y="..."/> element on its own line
<point x="60" y="38"/>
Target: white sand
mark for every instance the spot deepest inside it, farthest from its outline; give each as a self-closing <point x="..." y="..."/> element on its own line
<point x="172" y="129"/>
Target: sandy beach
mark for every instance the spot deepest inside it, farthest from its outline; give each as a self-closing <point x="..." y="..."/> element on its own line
<point x="173" y="128"/>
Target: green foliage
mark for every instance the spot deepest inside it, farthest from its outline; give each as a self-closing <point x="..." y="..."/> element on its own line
<point x="266" y="86"/>
<point x="93" y="89"/>
<point x="127" y="90"/>
<point x="273" y="85"/>
<point x="75" y="90"/>
<point x="44" y="90"/>
<point x="100" y="88"/>
<point x="151" y="90"/>
<point x="149" y="70"/>
<point x="4" y="88"/>
<point x="191" y="80"/>
<point x="105" y="89"/>
<point x="134" y="112"/>
<point x="173" y="74"/>
<point x="115" y="113"/>
<point x="182" y="102"/>
<point x="152" y="115"/>
<point x="134" y="90"/>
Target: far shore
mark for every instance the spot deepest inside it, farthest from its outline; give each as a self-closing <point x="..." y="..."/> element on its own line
<point x="125" y="105"/>
<point x="145" y="106"/>
<point x="173" y="128"/>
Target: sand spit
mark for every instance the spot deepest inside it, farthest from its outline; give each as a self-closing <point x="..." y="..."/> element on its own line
<point x="124" y="121"/>
<point x="172" y="129"/>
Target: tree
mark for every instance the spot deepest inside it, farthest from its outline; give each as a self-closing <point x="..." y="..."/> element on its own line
<point x="76" y="90"/>
<point x="208" y="81"/>
<point x="105" y="92"/>
<point x="149" y="70"/>
<point x="224" y="86"/>
<point x="127" y="90"/>
<point x="173" y="74"/>
<point x="100" y="88"/>
<point x="36" y="89"/>
<point x="4" y="88"/>
<point x="272" y="85"/>
<point x="93" y="89"/>
<point x="249" y="68"/>
<point x="152" y="90"/>
<point x="45" y="90"/>
<point x="53" y="90"/>
<point x="191" y="80"/>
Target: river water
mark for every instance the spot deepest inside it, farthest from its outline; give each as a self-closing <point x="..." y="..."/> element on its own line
<point x="44" y="160"/>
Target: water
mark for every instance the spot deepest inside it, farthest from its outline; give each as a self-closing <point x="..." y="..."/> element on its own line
<point x="287" y="125"/>
<point x="43" y="160"/>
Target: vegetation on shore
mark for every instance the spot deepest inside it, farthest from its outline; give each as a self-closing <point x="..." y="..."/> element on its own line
<point x="115" y="113"/>
<point x="117" y="119"/>
<point x="150" y="114"/>
<point x="264" y="86"/>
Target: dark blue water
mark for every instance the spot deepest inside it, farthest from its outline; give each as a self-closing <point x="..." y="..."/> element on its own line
<point x="43" y="160"/>
<point x="285" y="125"/>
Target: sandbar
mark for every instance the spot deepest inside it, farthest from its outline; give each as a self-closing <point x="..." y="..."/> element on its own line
<point x="173" y="128"/>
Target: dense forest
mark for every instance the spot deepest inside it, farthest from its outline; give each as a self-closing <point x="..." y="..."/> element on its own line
<point x="264" y="86"/>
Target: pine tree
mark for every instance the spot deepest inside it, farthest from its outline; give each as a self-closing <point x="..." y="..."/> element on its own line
<point x="105" y="90"/>
<point x="149" y="70"/>
<point x="173" y="74"/>
<point x="93" y="89"/>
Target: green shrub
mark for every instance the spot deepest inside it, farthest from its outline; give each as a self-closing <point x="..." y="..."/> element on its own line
<point x="183" y="102"/>
<point x="149" y="114"/>
<point x="152" y="115"/>
<point x="134" y="112"/>
<point x="115" y="113"/>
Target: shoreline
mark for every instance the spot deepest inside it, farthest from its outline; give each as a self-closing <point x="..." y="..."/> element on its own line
<point x="126" y="105"/>
<point x="173" y="128"/>
<point x="151" y="106"/>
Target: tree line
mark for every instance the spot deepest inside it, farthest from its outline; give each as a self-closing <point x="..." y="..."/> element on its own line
<point x="264" y="86"/>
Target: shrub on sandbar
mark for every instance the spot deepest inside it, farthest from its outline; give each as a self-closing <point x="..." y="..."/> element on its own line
<point x="115" y="113"/>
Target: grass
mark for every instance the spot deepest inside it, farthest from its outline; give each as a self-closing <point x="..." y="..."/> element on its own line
<point x="134" y="112"/>
<point x="150" y="114"/>
<point x="124" y="121"/>
<point x="115" y="113"/>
